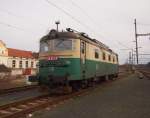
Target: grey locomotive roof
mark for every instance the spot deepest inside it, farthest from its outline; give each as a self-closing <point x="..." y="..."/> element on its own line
<point x="53" y="34"/>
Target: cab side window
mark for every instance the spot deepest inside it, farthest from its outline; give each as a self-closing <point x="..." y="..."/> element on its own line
<point x="96" y="53"/>
<point x="117" y="58"/>
<point x="109" y="57"/>
<point x="82" y="47"/>
<point x="104" y="56"/>
<point x="113" y="59"/>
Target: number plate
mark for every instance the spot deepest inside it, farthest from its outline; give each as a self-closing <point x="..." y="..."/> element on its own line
<point x="50" y="58"/>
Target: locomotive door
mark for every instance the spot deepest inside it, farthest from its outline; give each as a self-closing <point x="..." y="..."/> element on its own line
<point x="83" y="58"/>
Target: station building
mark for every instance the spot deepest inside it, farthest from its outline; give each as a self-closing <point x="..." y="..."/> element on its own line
<point x="19" y="61"/>
<point x="3" y="53"/>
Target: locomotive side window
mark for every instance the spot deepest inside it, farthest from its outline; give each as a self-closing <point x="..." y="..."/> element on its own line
<point x="109" y="57"/>
<point x="117" y="58"/>
<point x="113" y="59"/>
<point x="96" y="53"/>
<point x="82" y="47"/>
<point x="104" y="56"/>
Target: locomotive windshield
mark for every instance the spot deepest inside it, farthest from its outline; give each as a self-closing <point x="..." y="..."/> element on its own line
<point x="62" y="44"/>
<point x="44" y="47"/>
<point x="56" y="45"/>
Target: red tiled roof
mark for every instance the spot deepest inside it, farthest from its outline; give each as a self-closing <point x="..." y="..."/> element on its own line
<point x="19" y="53"/>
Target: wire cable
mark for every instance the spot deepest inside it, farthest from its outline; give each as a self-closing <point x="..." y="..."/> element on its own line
<point x="18" y="16"/>
<point x="72" y="17"/>
<point x="91" y="19"/>
<point x="11" y="26"/>
<point x="68" y="14"/>
<point x="15" y="27"/>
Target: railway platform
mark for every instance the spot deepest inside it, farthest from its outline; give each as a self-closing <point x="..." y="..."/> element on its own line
<point x="125" y="98"/>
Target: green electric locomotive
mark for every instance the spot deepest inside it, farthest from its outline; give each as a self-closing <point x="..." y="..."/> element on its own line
<point x="71" y="58"/>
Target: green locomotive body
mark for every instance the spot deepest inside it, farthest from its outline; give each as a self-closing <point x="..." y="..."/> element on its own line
<point x="72" y="58"/>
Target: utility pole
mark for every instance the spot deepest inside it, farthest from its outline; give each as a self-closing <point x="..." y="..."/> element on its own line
<point x="130" y="61"/>
<point x="136" y="41"/>
<point x="131" y="55"/>
<point x="137" y="56"/>
<point x="130" y="58"/>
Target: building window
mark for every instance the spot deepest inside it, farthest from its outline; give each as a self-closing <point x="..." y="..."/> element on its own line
<point x="14" y="63"/>
<point x="20" y="64"/>
<point x="96" y="54"/>
<point x="26" y="64"/>
<point x="109" y="57"/>
<point x="32" y="64"/>
<point x="104" y="56"/>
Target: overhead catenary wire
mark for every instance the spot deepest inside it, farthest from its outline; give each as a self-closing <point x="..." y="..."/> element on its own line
<point x="78" y="21"/>
<point x="143" y="24"/>
<point x="9" y="13"/>
<point x="68" y="14"/>
<point x="15" y="27"/>
<point x="19" y="16"/>
<point x="71" y="16"/>
<point x="93" y="21"/>
<point x="12" y="26"/>
<point x="83" y="11"/>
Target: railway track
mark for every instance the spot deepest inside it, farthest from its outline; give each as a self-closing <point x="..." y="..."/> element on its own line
<point x="24" y="107"/>
<point x="16" y="109"/>
<point x="18" y="89"/>
<point x="146" y="73"/>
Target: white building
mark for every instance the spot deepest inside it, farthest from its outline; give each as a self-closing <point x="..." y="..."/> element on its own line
<point x="3" y="53"/>
<point x="20" y="61"/>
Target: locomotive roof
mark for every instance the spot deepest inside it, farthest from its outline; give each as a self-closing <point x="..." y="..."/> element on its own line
<point x="53" y="34"/>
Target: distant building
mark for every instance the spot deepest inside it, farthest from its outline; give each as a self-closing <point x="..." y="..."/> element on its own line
<point x="3" y="53"/>
<point x="19" y="61"/>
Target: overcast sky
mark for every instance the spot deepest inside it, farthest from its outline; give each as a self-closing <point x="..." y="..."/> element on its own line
<point x="24" y="22"/>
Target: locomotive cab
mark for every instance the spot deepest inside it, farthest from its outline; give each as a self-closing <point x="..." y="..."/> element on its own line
<point x="59" y="58"/>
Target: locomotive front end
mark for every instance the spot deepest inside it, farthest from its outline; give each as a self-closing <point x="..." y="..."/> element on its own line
<point x="58" y="60"/>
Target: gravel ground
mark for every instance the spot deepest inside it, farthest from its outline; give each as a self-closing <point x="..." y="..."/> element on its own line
<point x="124" y="98"/>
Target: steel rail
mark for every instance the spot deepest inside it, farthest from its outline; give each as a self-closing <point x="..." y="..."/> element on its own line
<point x="24" y="107"/>
<point x="18" y="89"/>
